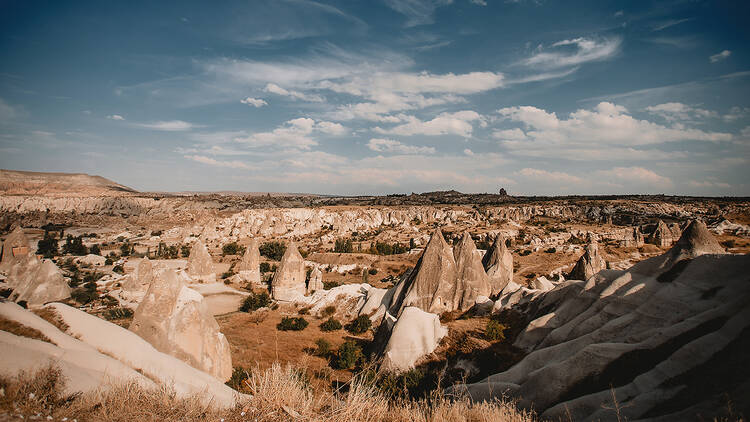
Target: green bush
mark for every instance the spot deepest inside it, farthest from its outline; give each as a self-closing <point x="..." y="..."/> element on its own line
<point x="330" y="324"/>
<point x="95" y="249"/>
<point x="343" y="246"/>
<point x="118" y="313"/>
<point x="74" y="246"/>
<point x="118" y="269"/>
<point x="348" y="355"/>
<point x="237" y="381"/>
<point x="328" y="285"/>
<point x="255" y="301"/>
<point x="372" y="271"/>
<point x="292" y="324"/>
<point x="83" y="295"/>
<point x="494" y="331"/>
<point x="265" y="267"/>
<point x="328" y="311"/>
<point x="272" y="250"/>
<point x="232" y="249"/>
<point x="47" y="246"/>
<point x="359" y="325"/>
<point x="323" y="348"/>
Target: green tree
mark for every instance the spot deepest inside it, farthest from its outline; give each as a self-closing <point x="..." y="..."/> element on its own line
<point x="272" y="250"/>
<point x="47" y="246"/>
<point x="343" y="246"/>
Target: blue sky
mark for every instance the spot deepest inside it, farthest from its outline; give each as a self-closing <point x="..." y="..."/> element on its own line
<point x="391" y="96"/>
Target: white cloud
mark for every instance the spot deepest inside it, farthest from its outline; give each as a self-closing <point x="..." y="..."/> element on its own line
<point x="458" y="123"/>
<point x="586" y="50"/>
<point x="295" y="133"/>
<point x="509" y="134"/>
<point x="217" y="163"/>
<point x="297" y="95"/>
<point x="709" y="184"/>
<point x="167" y="126"/>
<point x="607" y="123"/>
<point x="669" y="23"/>
<point x="115" y="117"/>
<point x="255" y="102"/>
<point x="680" y="112"/>
<point x="548" y="176"/>
<point x="389" y="145"/>
<point x="634" y="175"/>
<point x="720" y="56"/>
<point x="479" y="2"/>
<point x="468" y="152"/>
<point x="736" y="113"/>
<point x="42" y="133"/>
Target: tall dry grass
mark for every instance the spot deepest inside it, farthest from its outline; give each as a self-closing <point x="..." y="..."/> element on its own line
<point x="280" y="393"/>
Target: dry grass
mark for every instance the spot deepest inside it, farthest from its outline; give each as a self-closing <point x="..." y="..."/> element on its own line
<point x="19" y="329"/>
<point x="281" y="393"/>
<point x="52" y="317"/>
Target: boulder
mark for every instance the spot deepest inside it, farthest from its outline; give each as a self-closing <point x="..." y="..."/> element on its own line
<point x="176" y="321"/>
<point x="289" y="281"/>
<point x="498" y="262"/>
<point x="415" y="334"/>
<point x="92" y="259"/>
<point x="249" y="266"/>
<point x="431" y="285"/>
<point x="15" y="247"/>
<point x="471" y="280"/>
<point x="316" y="281"/>
<point x="590" y="263"/>
<point x="200" y="265"/>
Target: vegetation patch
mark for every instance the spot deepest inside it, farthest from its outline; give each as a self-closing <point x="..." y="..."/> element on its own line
<point x="359" y="325"/>
<point x="255" y="301"/>
<point x="292" y="324"/>
<point x="330" y="324"/>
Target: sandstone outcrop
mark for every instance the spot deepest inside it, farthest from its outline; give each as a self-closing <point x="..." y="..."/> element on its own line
<point x="590" y="263"/>
<point x="498" y="262"/>
<point x="415" y="334"/>
<point x="37" y="283"/>
<point x="135" y="284"/>
<point x="661" y="236"/>
<point x="15" y="247"/>
<point x="471" y="279"/>
<point x="200" y="264"/>
<point x="643" y="335"/>
<point x="176" y="321"/>
<point x="249" y="266"/>
<point x="289" y="281"/>
<point x="316" y="281"/>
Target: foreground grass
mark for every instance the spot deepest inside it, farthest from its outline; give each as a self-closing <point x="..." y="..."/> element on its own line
<point x="279" y="394"/>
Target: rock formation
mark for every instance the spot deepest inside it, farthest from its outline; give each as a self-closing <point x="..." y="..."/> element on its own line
<point x="590" y="263"/>
<point x="200" y="265"/>
<point x="648" y="336"/>
<point x="135" y="285"/>
<point x="37" y="283"/>
<point x="15" y="246"/>
<point x="249" y="266"/>
<point x="431" y="285"/>
<point x="661" y="236"/>
<point x="415" y="334"/>
<point x="638" y="239"/>
<point x="289" y="281"/>
<point x="316" y="281"/>
<point x="471" y="280"/>
<point x="176" y="321"/>
<point x="498" y="262"/>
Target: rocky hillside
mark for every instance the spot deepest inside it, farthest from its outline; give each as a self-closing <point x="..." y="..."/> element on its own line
<point x="14" y="182"/>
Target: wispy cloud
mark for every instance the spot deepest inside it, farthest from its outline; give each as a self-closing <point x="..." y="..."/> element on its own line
<point x="585" y="50"/>
<point x="458" y="123"/>
<point x="213" y="162"/>
<point x="417" y="12"/>
<point x="681" y="112"/>
<point x="720" y="56"/>
<point x="669" y="23"/>
<point x="295" y="133"/>
<point x="255" y="102"/>
<point x="167" y="126"/>
<point x="115" y="117"/>
<point x="275" y="89"/>
<point x="389" y="145"/>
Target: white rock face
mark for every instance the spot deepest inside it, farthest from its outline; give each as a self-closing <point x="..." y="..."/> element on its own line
<point x="498" y="262"/>
<point x="471" y="280"/>
<point x="249" y="266"/>
<point x="176" y="320"/>
<point x="590" y="263"/>
<point x="92" y="259"/>
<point x="416" y="334"/>
<point x="667" y="317"/>
<point x="200" y="264"/>
<point x="289" y="281"/>
<point x="316" y="281"/>
<point x="44" y="285"/>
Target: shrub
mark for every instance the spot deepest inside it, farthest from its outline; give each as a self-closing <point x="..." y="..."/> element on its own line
<point x="95" y="249"/>
<point x="74" y="246"/>
<point x="323" y="348"/>
<point x="255" y="301"/>
<point x="330" y="324"/>
<point x="265" y="267"/>
<point x="232" y="249"/>
<point x="83" y="296"/>
<point x="372" y="271"/>
<point x="550" y="250"/>
<point x="47" y="246"/>
<point x="359" y="325"/>
<point x="348" y="355"/>
<point x="238" y="380"/>
<point x="185" y="251"/>
<point x="118" y="313"/>
<point x="125" y="249"/>
<point x="494" y="331"/>
<point x="328" y="311"/>
<point x="272" y="250"/>
<point x="343" y="246"/>
<point x="328" y="285"/>
<point x="108" y="261"/>
<point x="292" y="324"/>
<point x="118" y="269"/>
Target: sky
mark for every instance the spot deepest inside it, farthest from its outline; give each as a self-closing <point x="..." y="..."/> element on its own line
<point x="360" y="97"/>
